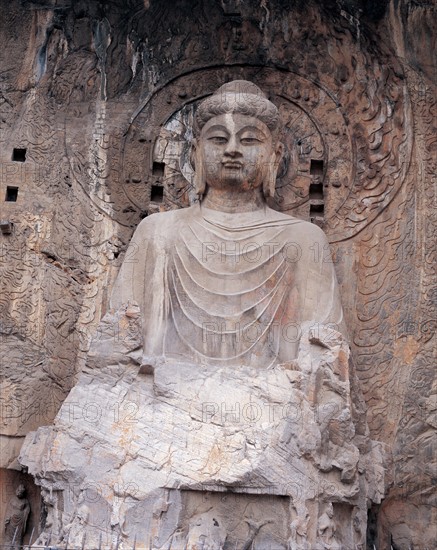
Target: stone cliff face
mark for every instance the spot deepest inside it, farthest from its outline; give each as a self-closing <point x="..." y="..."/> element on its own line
<point x="96" y="107"/>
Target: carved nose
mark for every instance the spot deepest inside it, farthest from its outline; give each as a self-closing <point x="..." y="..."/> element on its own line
<point x="232" y="148"/>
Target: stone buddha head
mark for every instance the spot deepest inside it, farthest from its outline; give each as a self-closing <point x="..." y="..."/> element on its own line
<point x="236" y="145"/>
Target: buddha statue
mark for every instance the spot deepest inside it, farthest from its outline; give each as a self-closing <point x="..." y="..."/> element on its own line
<point x="229" y="281"/>
<point x="16" y="517"/>
<point x="224" y="411"/>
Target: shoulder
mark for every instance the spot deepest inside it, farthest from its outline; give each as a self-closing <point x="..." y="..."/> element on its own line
<point x="312" y="233"/>
<point x="160" y="224"/>
<point x="160" y="219"/>
<point x="297" y="228"/>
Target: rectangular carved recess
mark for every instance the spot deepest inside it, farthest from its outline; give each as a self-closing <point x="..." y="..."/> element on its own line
<point x="11" y="194"/>
<point x="158" y="169"/>
<point x="19" y="155"/>
<point x="317" y="209"/>
<point x="317" y="205"/>
<point x="316" y="167"/>
<point x="316" y="191"/>
<point x="157" y="193"/>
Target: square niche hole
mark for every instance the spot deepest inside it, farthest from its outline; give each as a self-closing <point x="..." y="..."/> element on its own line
<point x="19" y="155"/>
<point x="158" y="169"/>
<point x="316" y="167"/>
<point x="11" y="194"/>
<point x="316" y="191"/>
<point x="157" y="193"/>
<point x="316" y="209"/>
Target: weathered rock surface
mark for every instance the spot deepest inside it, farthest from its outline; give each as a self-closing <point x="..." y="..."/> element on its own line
<point x="155" y="452"/>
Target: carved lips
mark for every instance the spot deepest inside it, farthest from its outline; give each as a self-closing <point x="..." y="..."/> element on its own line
<point x="233" y="164"/>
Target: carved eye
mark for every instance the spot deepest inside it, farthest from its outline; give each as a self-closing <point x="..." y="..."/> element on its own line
<point x="218" y="139"/>
<point x="249" y="140"/>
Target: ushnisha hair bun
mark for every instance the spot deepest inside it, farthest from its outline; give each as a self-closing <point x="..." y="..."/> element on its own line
<point x="238" y="96"/>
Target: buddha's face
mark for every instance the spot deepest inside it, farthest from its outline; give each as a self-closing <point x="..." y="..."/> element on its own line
<point x="235" y="151"/>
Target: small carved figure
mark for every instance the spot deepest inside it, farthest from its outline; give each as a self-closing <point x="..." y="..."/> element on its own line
<point x="254" y="529"/>
<point x="298" y="537"/>
<point x="74" y="531"/>
<point x="17" y="513"/>
<point x="299" y="527"/>
<point x="326" y="529"/>
<point x="359" y="536"/>
<point x="206" y="532"/>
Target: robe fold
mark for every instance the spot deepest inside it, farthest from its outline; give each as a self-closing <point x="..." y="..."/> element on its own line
<point x="228" y="289"/>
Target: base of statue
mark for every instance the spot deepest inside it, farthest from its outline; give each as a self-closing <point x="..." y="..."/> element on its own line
<point x="171" y="455"/>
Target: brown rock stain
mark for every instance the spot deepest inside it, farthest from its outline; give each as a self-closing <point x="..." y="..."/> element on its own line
<point x="406" y="349"/>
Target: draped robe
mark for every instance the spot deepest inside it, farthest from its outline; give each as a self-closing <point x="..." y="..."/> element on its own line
<point x="17" y="514"/>
<point x="228" y="288"/>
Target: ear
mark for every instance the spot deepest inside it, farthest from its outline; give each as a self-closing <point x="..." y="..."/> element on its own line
<point x="193" y="150"/>
<point x="197" y="164"/>
<point x="279" y="152"/>
<point x="270" y="184"/>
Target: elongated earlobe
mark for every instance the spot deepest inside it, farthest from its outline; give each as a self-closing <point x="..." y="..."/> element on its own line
<point x="199" y="176"/>
<point x="269" y="184"/>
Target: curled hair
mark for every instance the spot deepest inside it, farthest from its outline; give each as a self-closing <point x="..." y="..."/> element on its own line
<point x="237" y="97"/>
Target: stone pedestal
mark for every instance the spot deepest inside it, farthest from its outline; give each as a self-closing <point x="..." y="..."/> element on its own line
<point x="172" y="454"/>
